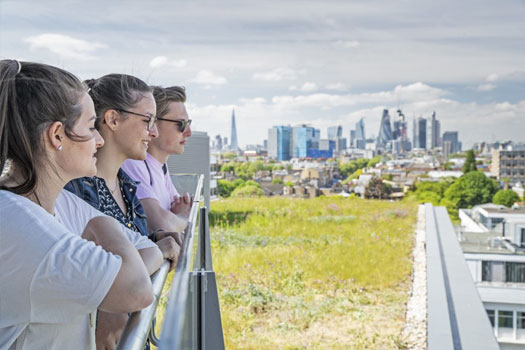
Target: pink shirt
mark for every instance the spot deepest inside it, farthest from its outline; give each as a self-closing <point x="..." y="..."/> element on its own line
<point x="154" y="177"/>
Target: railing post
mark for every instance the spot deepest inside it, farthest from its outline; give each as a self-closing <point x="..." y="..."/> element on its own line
<point x="207" y="322"/>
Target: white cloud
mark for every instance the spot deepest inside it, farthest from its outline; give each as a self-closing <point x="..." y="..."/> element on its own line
<point x="417" y="92"/>
<point x="161" y="61"/>
<point x="492" y="78"/>
<point x="349" y="44"/>
<point x="158" y="61"/>
<point x="65" y="46"/>
<point x="306" y="87"/>
<point x="277" y="74"/>
<point x="486" y="87"/>
<point x="256" y="100"/>
<point x="208" y="78"/>
<point x="337" y="87"/>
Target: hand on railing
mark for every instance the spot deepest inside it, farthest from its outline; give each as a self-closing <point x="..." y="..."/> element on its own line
<point x="170" y="246"/>
<point x="181" y="205"/>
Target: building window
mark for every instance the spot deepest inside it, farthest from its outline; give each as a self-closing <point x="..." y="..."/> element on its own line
<point x="490" y="313"/>
<point x="499" y="271"/>
<point x="521" y="320"/>
<point x="514" y="272"/>
<point x="505" y="319"/>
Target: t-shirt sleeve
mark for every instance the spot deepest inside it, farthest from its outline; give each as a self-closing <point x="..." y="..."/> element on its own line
<point x="76" y="214"/>
<point x="72" y="280"/>
<point x="138" y="171"/>
<point x="138" y="241"/>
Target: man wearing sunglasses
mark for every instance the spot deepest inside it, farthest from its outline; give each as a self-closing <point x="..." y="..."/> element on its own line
<point x="165" y="209"/>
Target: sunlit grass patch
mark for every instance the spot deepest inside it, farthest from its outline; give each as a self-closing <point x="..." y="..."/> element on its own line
<point x="324" y="273"/>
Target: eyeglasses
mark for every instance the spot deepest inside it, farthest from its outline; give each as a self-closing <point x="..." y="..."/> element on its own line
<point x="182" y="124"/>
<point x="151" y="119"/>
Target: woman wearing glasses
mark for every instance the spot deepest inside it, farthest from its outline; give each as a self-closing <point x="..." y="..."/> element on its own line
<point x="125" y="110"/>
<point x="165" y="209"/>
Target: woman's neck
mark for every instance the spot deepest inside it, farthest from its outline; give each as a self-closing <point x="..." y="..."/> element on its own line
<point x="108" y="164"/>
<point x="46" y="190"/>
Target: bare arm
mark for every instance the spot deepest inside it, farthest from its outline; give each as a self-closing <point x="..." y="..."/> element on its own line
<point x="152" y="258"/>
<point x="131" y="290"/>
<point x="162" y="219"/>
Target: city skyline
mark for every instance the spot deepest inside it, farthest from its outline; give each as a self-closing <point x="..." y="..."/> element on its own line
<point x="297" y="62"/>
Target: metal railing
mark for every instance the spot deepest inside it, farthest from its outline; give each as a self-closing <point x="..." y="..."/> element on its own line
<point x="181" y="328"/>
<point x="456" y="317"/>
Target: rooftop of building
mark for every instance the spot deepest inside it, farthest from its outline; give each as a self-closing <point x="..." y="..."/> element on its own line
<point x="485" y="242"/>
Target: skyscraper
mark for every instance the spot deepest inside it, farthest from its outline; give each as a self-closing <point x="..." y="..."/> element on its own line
<point x="360" y="138"/>
<point x="420" y="133"/>
<point x="385" y="130"/>
<point x="279" y="146"/>
<point x="335" y="132"/>
<point x="304" y="138"/>
<point x="233" y="139"/>
<point x="433" y="132"/>
<point x="452" y="137"/>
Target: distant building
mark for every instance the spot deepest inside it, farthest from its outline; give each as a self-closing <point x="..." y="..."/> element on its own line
<point x="352" y="139"/>
<point x="325" y="150"/>
<point x="450" y="143"/>
<point x="233" y="140"/>
<point x="433" y="132"/>
<point x="360" y="136"/>
<point x="279" y="142"/>
<point x="335" y="132"/>
<point x="218" y="142"/>
<point x="509" y="164"/>
<point x="420" y="133"/>
<point x="195" y="160"/>
<point x="304" y="138"/>
<point x="385" y="130"/>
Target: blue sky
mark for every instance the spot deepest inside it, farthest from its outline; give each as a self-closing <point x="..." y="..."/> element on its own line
<point x="324" y="63"/>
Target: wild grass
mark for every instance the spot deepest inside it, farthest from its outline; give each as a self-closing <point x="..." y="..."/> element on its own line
<point x="324" y="273"/>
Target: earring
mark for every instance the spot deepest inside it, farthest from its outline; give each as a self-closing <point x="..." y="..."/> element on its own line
<point x="59" y="148"/>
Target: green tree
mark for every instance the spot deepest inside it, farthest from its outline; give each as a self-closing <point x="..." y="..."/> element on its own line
<point x="470" y="189"/>
<point x="238" y="183"/>
<point x="376" y="189"/>
<point x="229" y="155"/>
<point x="247" y="191"/>
<point x="351" y="167"/>
<point x="225" y="188"/>
<point x="228" y="167"/>
<point x="374" y="161"/>
<point x="506" y="198"/>
<point x="355" y="175"/>
<point x="470" y="162"/>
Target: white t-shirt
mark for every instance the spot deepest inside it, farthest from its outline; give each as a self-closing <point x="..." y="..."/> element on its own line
<point x="154" y="177"/>
<point x="50" y="279"/>
<point x="74" y="213"/>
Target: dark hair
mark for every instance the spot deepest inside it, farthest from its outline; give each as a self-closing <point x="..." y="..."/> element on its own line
<point x="164" y="96"/>
<point x="32" y="97"/>
<point x="115" y="91"/>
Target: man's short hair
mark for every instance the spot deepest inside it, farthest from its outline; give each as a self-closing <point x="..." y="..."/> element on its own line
<point x="164" y="96"/>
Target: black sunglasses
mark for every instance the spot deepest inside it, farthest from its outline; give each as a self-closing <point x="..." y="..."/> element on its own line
<point x="151" y="120"/>
<point x="182" y="124"/>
